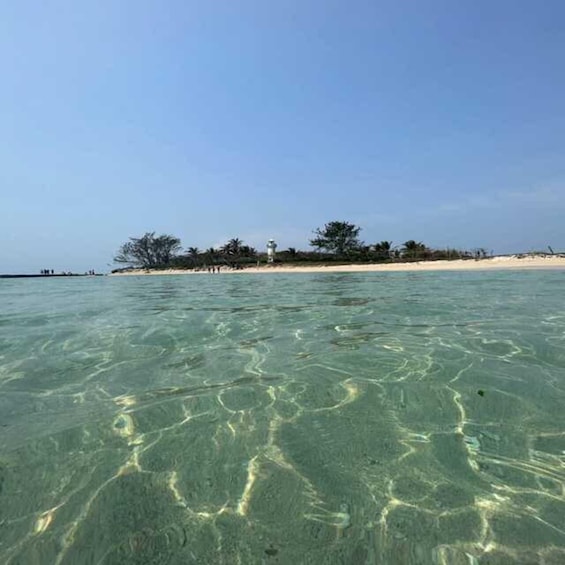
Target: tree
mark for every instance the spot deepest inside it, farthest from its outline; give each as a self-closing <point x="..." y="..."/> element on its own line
<point x="414" y="249"/>
<point x="383" y="249"/>
<point x="211" y="254"/>
<point x="233" y="247"/>
<point x="248" y="251"/>
<point x="193" y="254"/>
<point x="337" y="237"/>
<point x="148" y="251"/>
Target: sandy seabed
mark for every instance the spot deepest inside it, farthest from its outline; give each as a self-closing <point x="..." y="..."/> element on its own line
<point x="506" y="262"/>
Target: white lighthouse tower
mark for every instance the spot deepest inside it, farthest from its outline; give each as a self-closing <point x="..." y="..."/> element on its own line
<point x="271" y="248"/>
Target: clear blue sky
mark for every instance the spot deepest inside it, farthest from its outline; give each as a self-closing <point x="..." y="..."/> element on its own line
<point x="433" y="120"/>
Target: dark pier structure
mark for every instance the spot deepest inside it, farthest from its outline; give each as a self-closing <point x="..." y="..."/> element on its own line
<point x="49" y="276"/>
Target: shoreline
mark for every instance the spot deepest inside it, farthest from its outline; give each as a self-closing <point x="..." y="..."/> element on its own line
<point x="492" y="263"/>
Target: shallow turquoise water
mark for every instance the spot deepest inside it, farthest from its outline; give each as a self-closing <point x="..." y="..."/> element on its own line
<point x="333" y="418"/>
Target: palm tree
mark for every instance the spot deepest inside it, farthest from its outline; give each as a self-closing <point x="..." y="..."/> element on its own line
<point x="233" y="247"/>
<point x="193" y="254"/>
<point x="383" y="249"/>
<point x="413" y="249"/>
<point x="211" y="254"/>
<point x="247" y="251"/>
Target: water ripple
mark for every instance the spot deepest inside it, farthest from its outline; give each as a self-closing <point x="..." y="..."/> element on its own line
<point x="348" y="418"/>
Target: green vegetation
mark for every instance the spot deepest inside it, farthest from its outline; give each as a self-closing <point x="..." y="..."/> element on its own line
<point x="148" y="251"/>
<point x="341" y="238"/>
<point x="337" y="242"/>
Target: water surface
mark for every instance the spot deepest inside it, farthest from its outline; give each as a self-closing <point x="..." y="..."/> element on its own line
<point x="333" y="418"/>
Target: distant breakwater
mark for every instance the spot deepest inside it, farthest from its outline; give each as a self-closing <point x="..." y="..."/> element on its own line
<point x="47" y="276"/>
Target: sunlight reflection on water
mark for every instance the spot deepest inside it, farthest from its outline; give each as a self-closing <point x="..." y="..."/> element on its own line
<point x="283" y="418"/>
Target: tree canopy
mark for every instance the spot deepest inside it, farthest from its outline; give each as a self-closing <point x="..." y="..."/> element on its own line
<point x="336" y="241"/>
<point x="233" y="247"/>
<point x="337" y="237"/>
<point x="148" y="251"/>
<point x="383" y="249"/>
<point x="414" y="249"/>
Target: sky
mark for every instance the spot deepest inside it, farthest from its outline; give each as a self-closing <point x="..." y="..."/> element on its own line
<point x="432" y="120"/>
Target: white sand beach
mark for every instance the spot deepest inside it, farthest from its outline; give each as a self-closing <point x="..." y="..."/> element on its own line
<point x="503" y="262"/>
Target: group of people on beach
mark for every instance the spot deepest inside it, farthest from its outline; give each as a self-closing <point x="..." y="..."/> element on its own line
<point x="52" y="272"/>
<point x="214" y="269"/>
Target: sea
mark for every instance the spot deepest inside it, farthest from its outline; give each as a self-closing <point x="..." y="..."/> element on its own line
<point x="347" y="418"/>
